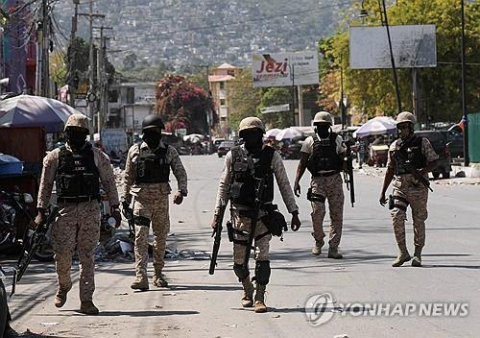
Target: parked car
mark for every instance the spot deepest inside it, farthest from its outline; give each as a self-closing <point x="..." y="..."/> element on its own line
<point x="224" y="148"/>
<point x="216" y="143"/>
<point x="439" y="144"/>
<point x="454" y="141"/>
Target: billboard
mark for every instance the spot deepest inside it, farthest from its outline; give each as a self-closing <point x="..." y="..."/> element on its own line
<point x="285" y="69"/>
<point x="414" y="46"/>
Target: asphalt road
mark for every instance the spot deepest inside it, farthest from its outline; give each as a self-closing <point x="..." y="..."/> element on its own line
<point x="200" y="305"/>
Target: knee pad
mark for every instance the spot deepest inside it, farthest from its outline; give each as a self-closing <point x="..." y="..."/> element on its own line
<point x="262" y="272"/>
<point x="240" y="271"/>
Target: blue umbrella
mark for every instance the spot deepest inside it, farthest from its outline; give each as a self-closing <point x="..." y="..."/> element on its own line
<point x="34" y="111"/>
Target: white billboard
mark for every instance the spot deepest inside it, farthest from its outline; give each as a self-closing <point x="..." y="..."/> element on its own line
<point x="414" y="46"/>
<point x="276" y="70"/>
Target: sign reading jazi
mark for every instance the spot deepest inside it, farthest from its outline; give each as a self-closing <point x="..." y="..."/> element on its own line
<point x="285" y="69"/>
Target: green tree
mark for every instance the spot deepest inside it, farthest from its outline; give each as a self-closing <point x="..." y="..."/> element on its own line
<point x="276" y="96"/>
<point x="244" y="99"/>
<point x="373" y="92"/>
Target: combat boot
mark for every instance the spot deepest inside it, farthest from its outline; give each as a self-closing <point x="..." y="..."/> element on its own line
<point x="417" y="257"/>
<point x="140" y="283"/>
<point x="61" y="296"/>
<point x="248" y="288"/>
<point x="333" y="253"/>
<point x="88" y="308"/>
<point x="402" y="257"/>
<point x="260" y="306"/>
<point x="159" y="280"/>
<point x="317" y="249"/>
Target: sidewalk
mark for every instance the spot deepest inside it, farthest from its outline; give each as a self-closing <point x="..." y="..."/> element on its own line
<point x="460" y="175"/>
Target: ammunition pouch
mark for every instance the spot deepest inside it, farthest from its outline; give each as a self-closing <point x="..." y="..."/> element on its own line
<point x="274" y="220"/>
<point x="313" y="197"/>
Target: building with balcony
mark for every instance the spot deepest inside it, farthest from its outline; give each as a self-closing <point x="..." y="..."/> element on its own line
<point x="221" y="92"/>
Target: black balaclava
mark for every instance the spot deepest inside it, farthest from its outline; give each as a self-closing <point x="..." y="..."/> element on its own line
<point x="152" y="138"/>
<point x="405" y="133"/>
<point x="253" y="140"/>
<point x="323" y="130"/>
<point x="76" y="138"/>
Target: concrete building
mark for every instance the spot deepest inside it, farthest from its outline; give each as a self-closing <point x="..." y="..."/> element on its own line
<point x="129" y="103"/>
<point x="221" y="93"/>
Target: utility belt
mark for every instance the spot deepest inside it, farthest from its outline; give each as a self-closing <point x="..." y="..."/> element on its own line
<point x="327" y="174"/>
<point x="78" y="199"/>
<point x="273" y="220"/>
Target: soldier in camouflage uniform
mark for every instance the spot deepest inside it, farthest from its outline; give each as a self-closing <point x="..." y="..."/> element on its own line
<point x="244" y="165"/>
<point x="416" y="152"/>
<point x="323" y="155"/>
<point x="77" y="168"/>
<point x="147" y="175"/>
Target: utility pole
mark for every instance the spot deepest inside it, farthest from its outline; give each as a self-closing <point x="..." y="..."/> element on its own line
<point x="43" y="38"/>
<point x="392" y="58"/>
<point x="341" y="103"/>
<point x="72" y="56"/>
<point x="90" y="95"/>
<point x="101" y="82"/>
<point x="292" y="77"/>
<point x="464" y="94"/>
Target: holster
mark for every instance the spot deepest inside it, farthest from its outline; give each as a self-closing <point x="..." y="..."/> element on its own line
<point x="391" y="202"/>
<point x="312" y="197"/>
<point x="142" y="221"/>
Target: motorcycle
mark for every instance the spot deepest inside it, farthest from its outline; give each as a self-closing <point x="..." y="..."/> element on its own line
<point x="15" y="222"/>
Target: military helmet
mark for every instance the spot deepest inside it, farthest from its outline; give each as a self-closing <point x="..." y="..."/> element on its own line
<point x="251" y="123"/>
<point x="322" y="117"/>
<point x="406" y="116"/>
<point x="152" y="121"/>
<point x="78" y="121"/>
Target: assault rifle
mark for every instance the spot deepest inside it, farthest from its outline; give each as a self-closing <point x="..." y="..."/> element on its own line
<point x="32" y="241"/>
<point x="217" y="234"/>
<point x="256" y="211"/>
<point x="404" y="162"/>
<point x="348" y="174"/>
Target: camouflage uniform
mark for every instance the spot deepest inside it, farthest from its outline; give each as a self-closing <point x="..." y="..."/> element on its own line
<point x="151" y="201"/>
<point x="78" y="223"/>
<point x="262" y="246"/>
<point x="331" y="188"/>
<point x="407" y="188"/>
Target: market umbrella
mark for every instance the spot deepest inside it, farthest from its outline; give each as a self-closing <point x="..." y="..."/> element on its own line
<point x="34" y="111"/>
<point x="377" y="126"/>
<point x="288" y="134"/>
<point x="272" y="133"/>
<point x="193" y="138"/>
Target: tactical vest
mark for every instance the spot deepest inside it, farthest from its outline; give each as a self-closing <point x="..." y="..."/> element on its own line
<point x="152" y="167"/>
<point x="324" y="156"/>
<point x="77" y="175"/>
<point x="246" y="170"/>
<point x="412" y="151"/>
